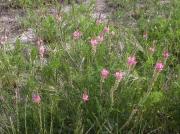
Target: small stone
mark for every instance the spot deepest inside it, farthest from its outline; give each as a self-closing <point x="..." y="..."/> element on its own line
<point x="28" y="36"/>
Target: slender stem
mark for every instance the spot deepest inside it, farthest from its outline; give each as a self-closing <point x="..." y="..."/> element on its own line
<point x="25" y="122"/>
<point x="51" y="127"/>
<point x="129" y="119"/>
<point x="17" y="110"/>
<point x="12" y="126"/>
<point x="113" y="89"/>
<point x="40" y="119"/>
<point x="142" y="101"/>
<point x="101" y="86"/>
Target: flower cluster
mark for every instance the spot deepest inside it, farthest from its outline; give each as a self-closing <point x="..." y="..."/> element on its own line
<point x="100" y="38"/>
<point x="104" y="73"/>
<point x="159" y="66"/>
<point x="85" y="96"/>
<point x="36" y="98"/>
<point x="131" y="61"/>
<point x="118" y="75"/>
<point x="41" y="48"/>
<point x="77" y="34"/>
<point x="3" y="39"/>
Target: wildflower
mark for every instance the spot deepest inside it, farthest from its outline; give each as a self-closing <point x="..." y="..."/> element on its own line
<point x="145" y="35"/>
<point x="132" y="60"/>
<point x="94" y="42"/>
<point x="152" y="49"/>
<point x="77" y="35"/>
<point x="36" y="99"/>
<point x="58" y="18"/>
<point x="85" y="96"/>
<point x="98" y="21"/>
<point x="41" y="51"/>
<point x="100" y="38"/>
<point x="119" y="75"/>
<point x="40" y="42"/>
<point x="159" y="66"/>
<point x="3" y="39"/>
<point x="106" y="29"/>
<point x="165" y="54"/>
<point x="104" y="73"/>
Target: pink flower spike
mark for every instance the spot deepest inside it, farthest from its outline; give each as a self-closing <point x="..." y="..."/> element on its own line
<point x="152" y="49"/>
<point x="100" y="38"/>
<point x="104" y="73"/>
<point x="98" y="21"/>
<point x="132" y="60"/>
<point x="145" y="35"/>
<point x="119" y="75"/>
<point x="77" y="35"/>
<point x="3" y="40"/>
<point x="106" y="29"/>
<point x="40" y="42"/>
<point x="85" y="96"/>
<point x="159" y="66"/>
<point x="94" y="42"/>
<point x="41" y="51"/>
<point x="36" y="99"/>
<point x="165" y="54"/>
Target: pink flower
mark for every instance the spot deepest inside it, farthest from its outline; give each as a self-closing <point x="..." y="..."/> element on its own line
<point x="40" y="42"/>
<point x="106" y="29"/>
<point x="119" y="75"/>
<point x="152" y="49"/>
<point x="132" y="60"/>
<point x="58" y="18"/>
<point x="3" y="40"/>
<point x="41" y="51"/>
<point x="85" y="96"/>
<point x="159" y="66"/>
<point x="165" y="54"/>
<point x="36" y="99"/>
<point x="145" y="35"/>
<point x="94" y="42"/>
<point x="100" y="38"/>
<point x="104" y="73"/>
<point x="77" y="35"/>
<point x="98" y="21"/>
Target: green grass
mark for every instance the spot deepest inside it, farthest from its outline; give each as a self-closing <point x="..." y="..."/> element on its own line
<point x="71" y="67"/>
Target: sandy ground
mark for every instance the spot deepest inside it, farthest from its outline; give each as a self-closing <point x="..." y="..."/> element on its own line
<point x="10" y="20"/>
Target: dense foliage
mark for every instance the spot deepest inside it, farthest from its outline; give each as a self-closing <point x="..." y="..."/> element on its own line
<point x="84" y="76"/>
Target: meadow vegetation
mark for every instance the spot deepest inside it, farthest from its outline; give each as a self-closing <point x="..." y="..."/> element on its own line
<point x="86" y="76"/>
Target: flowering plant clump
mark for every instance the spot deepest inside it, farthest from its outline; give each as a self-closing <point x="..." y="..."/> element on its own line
<point x="77" y="35"/>
<point x="36" y="99"/>
<point x="159" y="66"/>
<point x="165" y="54"/>
<point x="85" y="96"/>
<point x="152" y="50"/>
<point x="102" y="74"/>
<point x="131" y="62"/>
<point x="119" y="75"/>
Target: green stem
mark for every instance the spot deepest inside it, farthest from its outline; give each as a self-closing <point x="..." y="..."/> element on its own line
<point x="101" y="86"/>
<point x="40" y="120"/>
<point x="51" y="127"/>
<point x="113" y="89"/>
<point x="17" y="111"/>
<point x="25" y="122"/>
<point x="143" y="100"/>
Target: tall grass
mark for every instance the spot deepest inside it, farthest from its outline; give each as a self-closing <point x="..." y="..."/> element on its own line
<point x="64" y="74"/>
